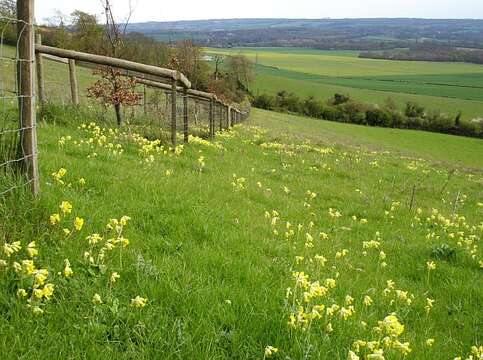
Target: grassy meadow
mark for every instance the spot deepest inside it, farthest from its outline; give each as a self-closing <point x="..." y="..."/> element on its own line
<point x="448" y="87"/>
<point x="284" y="238"/>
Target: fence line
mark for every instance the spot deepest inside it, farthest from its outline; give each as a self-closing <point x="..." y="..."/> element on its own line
<point x="18" y="135"/>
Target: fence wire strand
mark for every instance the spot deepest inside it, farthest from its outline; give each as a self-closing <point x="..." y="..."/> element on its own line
<point x="12" y="152"/>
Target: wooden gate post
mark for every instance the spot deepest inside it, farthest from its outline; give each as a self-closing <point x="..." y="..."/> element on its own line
<point x="74" y="88"/>
<point x="185" y="114"/>
<point x="26" y="92"/>
<point x="212" y="118"/>
<point x="174" y="86"/>
<point x="40" y="72"/>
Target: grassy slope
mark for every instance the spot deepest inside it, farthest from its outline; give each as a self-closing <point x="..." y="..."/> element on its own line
<point x="196" y="243"/>
<point x="452" y="150"/>
<point x="448" y="87"/>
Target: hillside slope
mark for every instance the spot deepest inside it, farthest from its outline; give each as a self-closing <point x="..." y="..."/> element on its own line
<point x="259" y="239"/>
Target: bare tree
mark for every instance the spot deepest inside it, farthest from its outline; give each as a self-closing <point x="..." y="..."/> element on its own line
<point x="114" y="34"/>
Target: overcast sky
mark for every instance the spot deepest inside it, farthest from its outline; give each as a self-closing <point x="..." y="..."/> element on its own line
<point x="160" y="10"/>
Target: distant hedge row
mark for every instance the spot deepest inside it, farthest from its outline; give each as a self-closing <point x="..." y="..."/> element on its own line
<point x="342" y="108"/>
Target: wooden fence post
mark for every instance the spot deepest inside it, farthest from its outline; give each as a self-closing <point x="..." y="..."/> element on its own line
<point x="74" y="88"/>
<point x="174" y="86"/>
<point x="228" y="117"/>
<point x="40" y="73"/>
<point x="145" y="100"/>
<point x="212" y="118"/>
<point x="221" y="116"/>
<point x="185" y="114"/>
<point x="26" y="92"/>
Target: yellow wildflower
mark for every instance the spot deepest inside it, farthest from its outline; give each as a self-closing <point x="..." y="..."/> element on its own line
<point x="78" y="223"/>
<point x="96" y="299"/>
<point x="367" y="300"/>
<point x="54" y="219"/>
<point x="270" y="350"/>
<point x="21" y="293"/>
<point x="31" y="250"/>
<point x="139" y="302"/>
<point x="28" y="267"/>
<point x="67" y="269"/>
<point x="114" y="277"/>
<point x="429" y="342"/>
<point x="9" y="249"/>
<point x="66" y="207"/>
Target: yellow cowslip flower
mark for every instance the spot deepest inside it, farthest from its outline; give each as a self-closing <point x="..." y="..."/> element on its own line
<point x="17" y="267"/>
<point x="429" y="342"/>
<point x="21" y="293"/>
<point x="429" y="305"/>
<point x="391" y="325"/>
<point x="36" y="310"/>
<point x="345" y="313"/>
<point x="78" y="223"/>
<point x="96" y="299"/>
<point x="67" y="269"/>
<point x="352" y="356"/>
<point x="139" y="302"/>
<point x="270" y="350"/>
<point x="124" y="219"/>
<point x="66" y="231"/>
<point x="367" y="300"/>
<point x="94" y="239"/>
<point x="402" y="347"/>
<point x="431" y="265"/>
<point x="114" y="277"/>
<point x="9" y="249"/>
<point x="28" y="267"/>
<point x="82" y="182"/>
<point x="31" y="250"/>
<point x="320" y="259"/>
<point x="3" y="263"/>
<point x="54" y="219"/>
<point x="40" y="276"/>
<point x="330" y="283"/>
<point x="349" y="300"/>
<point x="329" y="328"/>
<point x="378" y="354"/>
<point x="48" y="291"/>
<point x="66" y="207"/>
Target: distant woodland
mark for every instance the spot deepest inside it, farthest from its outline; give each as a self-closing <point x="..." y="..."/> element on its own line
<point x="324" y="34"/>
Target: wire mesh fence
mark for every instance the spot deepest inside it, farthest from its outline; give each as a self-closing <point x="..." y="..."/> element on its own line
<point x="14" y="95"/>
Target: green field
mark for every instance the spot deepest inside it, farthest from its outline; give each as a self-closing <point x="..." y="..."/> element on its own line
<point x="448" y="87"/>
<point x="323" y="240"/>
<point x="297" y="233"/>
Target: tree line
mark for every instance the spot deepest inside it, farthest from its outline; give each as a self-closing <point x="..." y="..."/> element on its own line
<point x="342" y="108"/>
<point x="85" y="32"/>
<point x="428" y="52"/>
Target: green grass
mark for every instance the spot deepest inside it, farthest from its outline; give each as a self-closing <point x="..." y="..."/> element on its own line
<point x="207" y="258"/>
<point x="454" y="151"/>
<point x="447" y="87"/>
